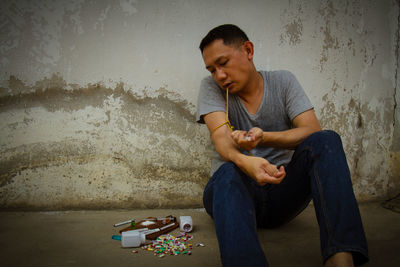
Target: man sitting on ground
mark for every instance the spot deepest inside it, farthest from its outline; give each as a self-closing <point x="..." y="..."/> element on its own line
<point x="274" y="161"/>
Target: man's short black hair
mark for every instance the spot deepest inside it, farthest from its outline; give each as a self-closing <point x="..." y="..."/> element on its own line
<point x="229" y="33"/>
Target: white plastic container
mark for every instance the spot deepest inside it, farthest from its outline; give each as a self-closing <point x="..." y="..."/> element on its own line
<point x="133" y="238"/>
<point x="186" y="224"/>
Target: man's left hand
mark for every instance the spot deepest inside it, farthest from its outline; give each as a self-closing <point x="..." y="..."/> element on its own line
<point x="247" y="140"/>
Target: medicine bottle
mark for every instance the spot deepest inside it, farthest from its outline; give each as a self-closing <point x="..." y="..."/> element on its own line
<point x="133" y="238"/>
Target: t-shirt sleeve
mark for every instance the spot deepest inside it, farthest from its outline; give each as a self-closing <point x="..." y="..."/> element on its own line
<point x="210" y="99"/>
<point x="296" y="99"/>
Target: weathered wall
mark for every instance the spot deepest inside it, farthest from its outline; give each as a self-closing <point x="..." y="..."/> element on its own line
<point x="97" y="98"/>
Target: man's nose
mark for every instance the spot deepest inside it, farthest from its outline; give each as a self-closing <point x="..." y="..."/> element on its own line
<point x="220" y="75"/>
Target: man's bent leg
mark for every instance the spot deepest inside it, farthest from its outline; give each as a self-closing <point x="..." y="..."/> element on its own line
<point x="337" y="211"/>
<point x="228" y="199"/>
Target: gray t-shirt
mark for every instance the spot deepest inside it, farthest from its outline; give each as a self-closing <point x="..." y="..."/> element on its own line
<point x="283" y="100"/>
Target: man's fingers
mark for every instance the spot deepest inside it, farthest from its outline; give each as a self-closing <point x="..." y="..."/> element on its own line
<point x="252" y="130"/>
<point x="268" y="179"/>
<point x="255" y="133"/>
<point x="233" y="134"/>
<point x="275" y="178"/>
<point x="250" y="137"/>
<point x="280" y="173"/>
<point x="237" y="134"/>
<point x="242" y="138"/>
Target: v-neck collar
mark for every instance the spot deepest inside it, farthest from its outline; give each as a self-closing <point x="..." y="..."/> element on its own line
<point x="255" y="115"/>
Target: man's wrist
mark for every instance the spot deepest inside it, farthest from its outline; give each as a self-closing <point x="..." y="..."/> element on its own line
<point x="264" y="138"/>
<point x="268" y="138"/>
<point x="239" y="159"/>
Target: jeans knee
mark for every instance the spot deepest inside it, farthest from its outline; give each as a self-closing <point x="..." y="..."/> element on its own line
<point x="327" y="140"/>
<point x="225" y="180"/>
<point x="331" y="136"/>
<point x="227" y="174"/>
<point x="227" y="166"/>
<point x="325" y="135"/>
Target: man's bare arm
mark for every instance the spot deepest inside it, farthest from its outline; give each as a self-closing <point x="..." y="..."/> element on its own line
<point x="304" y="124"/>
<point x="257" y="168"/>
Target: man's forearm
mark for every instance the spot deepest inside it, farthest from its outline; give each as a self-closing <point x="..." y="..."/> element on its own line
<point x="288" y="139"/>
<point x="227" y="149"/>
<point x="304" y="125"/>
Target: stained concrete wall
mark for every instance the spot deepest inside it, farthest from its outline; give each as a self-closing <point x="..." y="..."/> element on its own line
<point x="97" y="98"/>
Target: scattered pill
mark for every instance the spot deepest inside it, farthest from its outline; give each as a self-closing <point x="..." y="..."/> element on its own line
<point x="169" y="244"/>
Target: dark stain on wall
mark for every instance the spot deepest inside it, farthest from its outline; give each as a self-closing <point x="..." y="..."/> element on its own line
<point x="53" y="95"/>
<point x="167" y="126"/>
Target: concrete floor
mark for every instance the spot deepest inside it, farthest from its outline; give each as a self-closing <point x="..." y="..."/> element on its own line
<point x="83" y="238"/>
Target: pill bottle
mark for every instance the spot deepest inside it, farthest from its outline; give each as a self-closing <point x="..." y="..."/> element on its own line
<point x="133" y="239"/>
<point x="186" y="224"/>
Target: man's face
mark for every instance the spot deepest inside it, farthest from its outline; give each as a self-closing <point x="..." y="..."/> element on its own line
<point x="230" y="66"/>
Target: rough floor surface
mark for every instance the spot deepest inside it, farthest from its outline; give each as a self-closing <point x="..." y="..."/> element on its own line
<point x="83" y="238"/>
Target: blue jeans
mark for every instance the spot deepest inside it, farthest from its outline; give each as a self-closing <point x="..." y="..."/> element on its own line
<point x="318" y="170"/>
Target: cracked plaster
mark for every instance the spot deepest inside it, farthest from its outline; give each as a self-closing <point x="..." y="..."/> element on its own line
<point x="96" y="98"/>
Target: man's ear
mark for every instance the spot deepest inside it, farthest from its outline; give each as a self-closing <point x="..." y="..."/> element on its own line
<point x="248" y="48"/>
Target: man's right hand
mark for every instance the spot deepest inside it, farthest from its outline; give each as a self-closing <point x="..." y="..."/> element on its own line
<point x="262" y="171"/>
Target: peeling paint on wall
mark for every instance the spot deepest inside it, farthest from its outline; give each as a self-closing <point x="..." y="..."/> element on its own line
<point x="356" y="80"/>
<point x="293" y="30"/>
<point x="96" y="97"/>
<point x="98" y="143"/>
<point x="394" y="154"/>
<point x="365" y="149"/>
